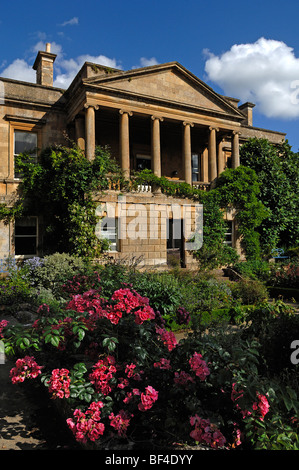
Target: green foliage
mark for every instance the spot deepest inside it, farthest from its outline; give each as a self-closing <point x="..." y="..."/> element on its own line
<point x="60" y="188"/>
<point x="254" y="269"/>
<point x="255" y="357"/>
<point x="278" y="175"/>
<point x="56" y="269"/>
<point x="249" y="291"/>
<point x="15" y="287"/>
<point x="276" y="326"/>
<point x="239" y="190"/>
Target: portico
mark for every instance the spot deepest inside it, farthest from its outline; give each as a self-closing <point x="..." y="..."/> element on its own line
<point x="119" y="129"/>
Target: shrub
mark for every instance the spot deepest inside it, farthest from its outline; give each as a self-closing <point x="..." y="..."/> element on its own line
<point x="254" y="269"/>
<point x="15" y="287"/>
<point x="285" y="274"/>
<point x="55" y="270"/>
<point x="120" y="373"/>
<point x="275" y="326"/>
<point x="249" y="291"/>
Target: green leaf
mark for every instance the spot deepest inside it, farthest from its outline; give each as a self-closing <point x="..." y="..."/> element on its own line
<point x="55" y="341"/>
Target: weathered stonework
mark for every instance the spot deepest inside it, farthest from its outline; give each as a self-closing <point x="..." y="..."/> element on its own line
<point x="162" y="117"/>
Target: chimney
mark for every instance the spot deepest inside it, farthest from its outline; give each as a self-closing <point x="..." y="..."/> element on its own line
<point x="44" y="66"/>
<point x="246" y="109"/>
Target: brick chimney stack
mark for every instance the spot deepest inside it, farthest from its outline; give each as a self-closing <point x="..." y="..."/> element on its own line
<point x="44" y="66"/>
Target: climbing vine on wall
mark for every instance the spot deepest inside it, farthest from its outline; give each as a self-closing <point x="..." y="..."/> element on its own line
<point x="60" y="188"/>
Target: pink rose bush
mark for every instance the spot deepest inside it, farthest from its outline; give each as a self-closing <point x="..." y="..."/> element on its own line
<point x="124" y="302"/>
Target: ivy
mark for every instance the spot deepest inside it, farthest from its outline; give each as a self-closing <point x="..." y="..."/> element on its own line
<point x="277" y="170"/>
<point x="61" y="189"/>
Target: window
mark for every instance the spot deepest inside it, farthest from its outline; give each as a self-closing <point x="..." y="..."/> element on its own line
<point x="228" y="235"/>
<point x="26" y="236"/>
<point x="195" y="167"/>
<point x="174" y="234"/>
<point x="24" y="142"/>
<point x="143" y="162"/>
<point x="109" y="228"/>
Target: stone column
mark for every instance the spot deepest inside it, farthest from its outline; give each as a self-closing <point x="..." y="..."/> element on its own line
<point x="212" y="154"/>
<point x="124" y="142"/>
<point x="235" y="150"/>
<point x="220" y="157"/>
<point x="90" y="130"/>
<point x="187" y="151"/>
<point x="80" y="132"/>
<point x="156" y="145"/>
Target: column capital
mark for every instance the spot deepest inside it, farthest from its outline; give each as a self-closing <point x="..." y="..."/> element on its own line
<point x="236" y="133"/>
<point x="212" y="128"/>
<point x="187" y="123"/>
<point x="124" y="111"/>
<point x="153" y="118"/>
<point x="88" y="105"/>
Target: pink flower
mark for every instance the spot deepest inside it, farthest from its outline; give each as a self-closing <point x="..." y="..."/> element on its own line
<point x="130" y="395"/>
<point x="87" y="425"/>
<point x="148" y="398"/>
<point x="3" y="324"/>
<point x="199" y="366"/>
<point x="167" y="337"/>
<point x="182" y="378"/>
<point x="120" y="422"/>
<point x="206" y="432"/>
<point x="59" y="383"/>
<point x="163" y="364"/>
<point x="262" y="406"/>
<point x="44" y="308"/>
<point x="26" y="368"/>
<point x="103" y="372"/>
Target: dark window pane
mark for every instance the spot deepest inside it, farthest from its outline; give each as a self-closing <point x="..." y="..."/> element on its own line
<point x="25" y="142"/>
<point x="143" y="163"/>
<point x="25" y="236"/>
<point x="25" y="246"/>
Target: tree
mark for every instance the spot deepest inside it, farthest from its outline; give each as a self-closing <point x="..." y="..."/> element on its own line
<point x="278" y="175"/>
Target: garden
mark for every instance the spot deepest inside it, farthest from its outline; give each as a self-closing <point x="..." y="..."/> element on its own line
<point x="171" y="359"/>
<point x="102" y="340"/>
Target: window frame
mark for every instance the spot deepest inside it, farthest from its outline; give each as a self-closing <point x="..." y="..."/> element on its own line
<point x="36" y="236"/>
<point x="22" y="127"/>
<point x="16" y="154"/>
<point x="114" y="248"/>
<point x="229" y="233"/>
<point x="195" y="173"/>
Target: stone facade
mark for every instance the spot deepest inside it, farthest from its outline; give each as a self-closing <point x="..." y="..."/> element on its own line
<point x="160" y="117"/>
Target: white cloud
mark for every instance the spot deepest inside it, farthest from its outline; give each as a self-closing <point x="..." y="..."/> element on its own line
<point x="144" y="62"/>
<point x="19" y="70"/>
<point x="68" y="68"/>
<point x="264" y="72"/>
<point x="71" y="22"/>
<point x="65" y="70"/>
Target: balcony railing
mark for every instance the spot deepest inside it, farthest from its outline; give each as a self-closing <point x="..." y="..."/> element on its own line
<point x="117" y="185"/>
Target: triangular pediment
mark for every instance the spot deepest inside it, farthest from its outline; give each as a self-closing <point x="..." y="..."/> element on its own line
<point x="169" y="83"/>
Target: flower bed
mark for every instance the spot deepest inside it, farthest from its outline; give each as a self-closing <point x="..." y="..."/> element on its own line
<point x="120" y="375"/>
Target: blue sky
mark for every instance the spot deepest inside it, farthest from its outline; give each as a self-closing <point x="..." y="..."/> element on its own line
<point x="248" y="50"/>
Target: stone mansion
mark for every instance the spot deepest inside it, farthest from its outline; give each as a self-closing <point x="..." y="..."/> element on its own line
<point x="160" y="117"/>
